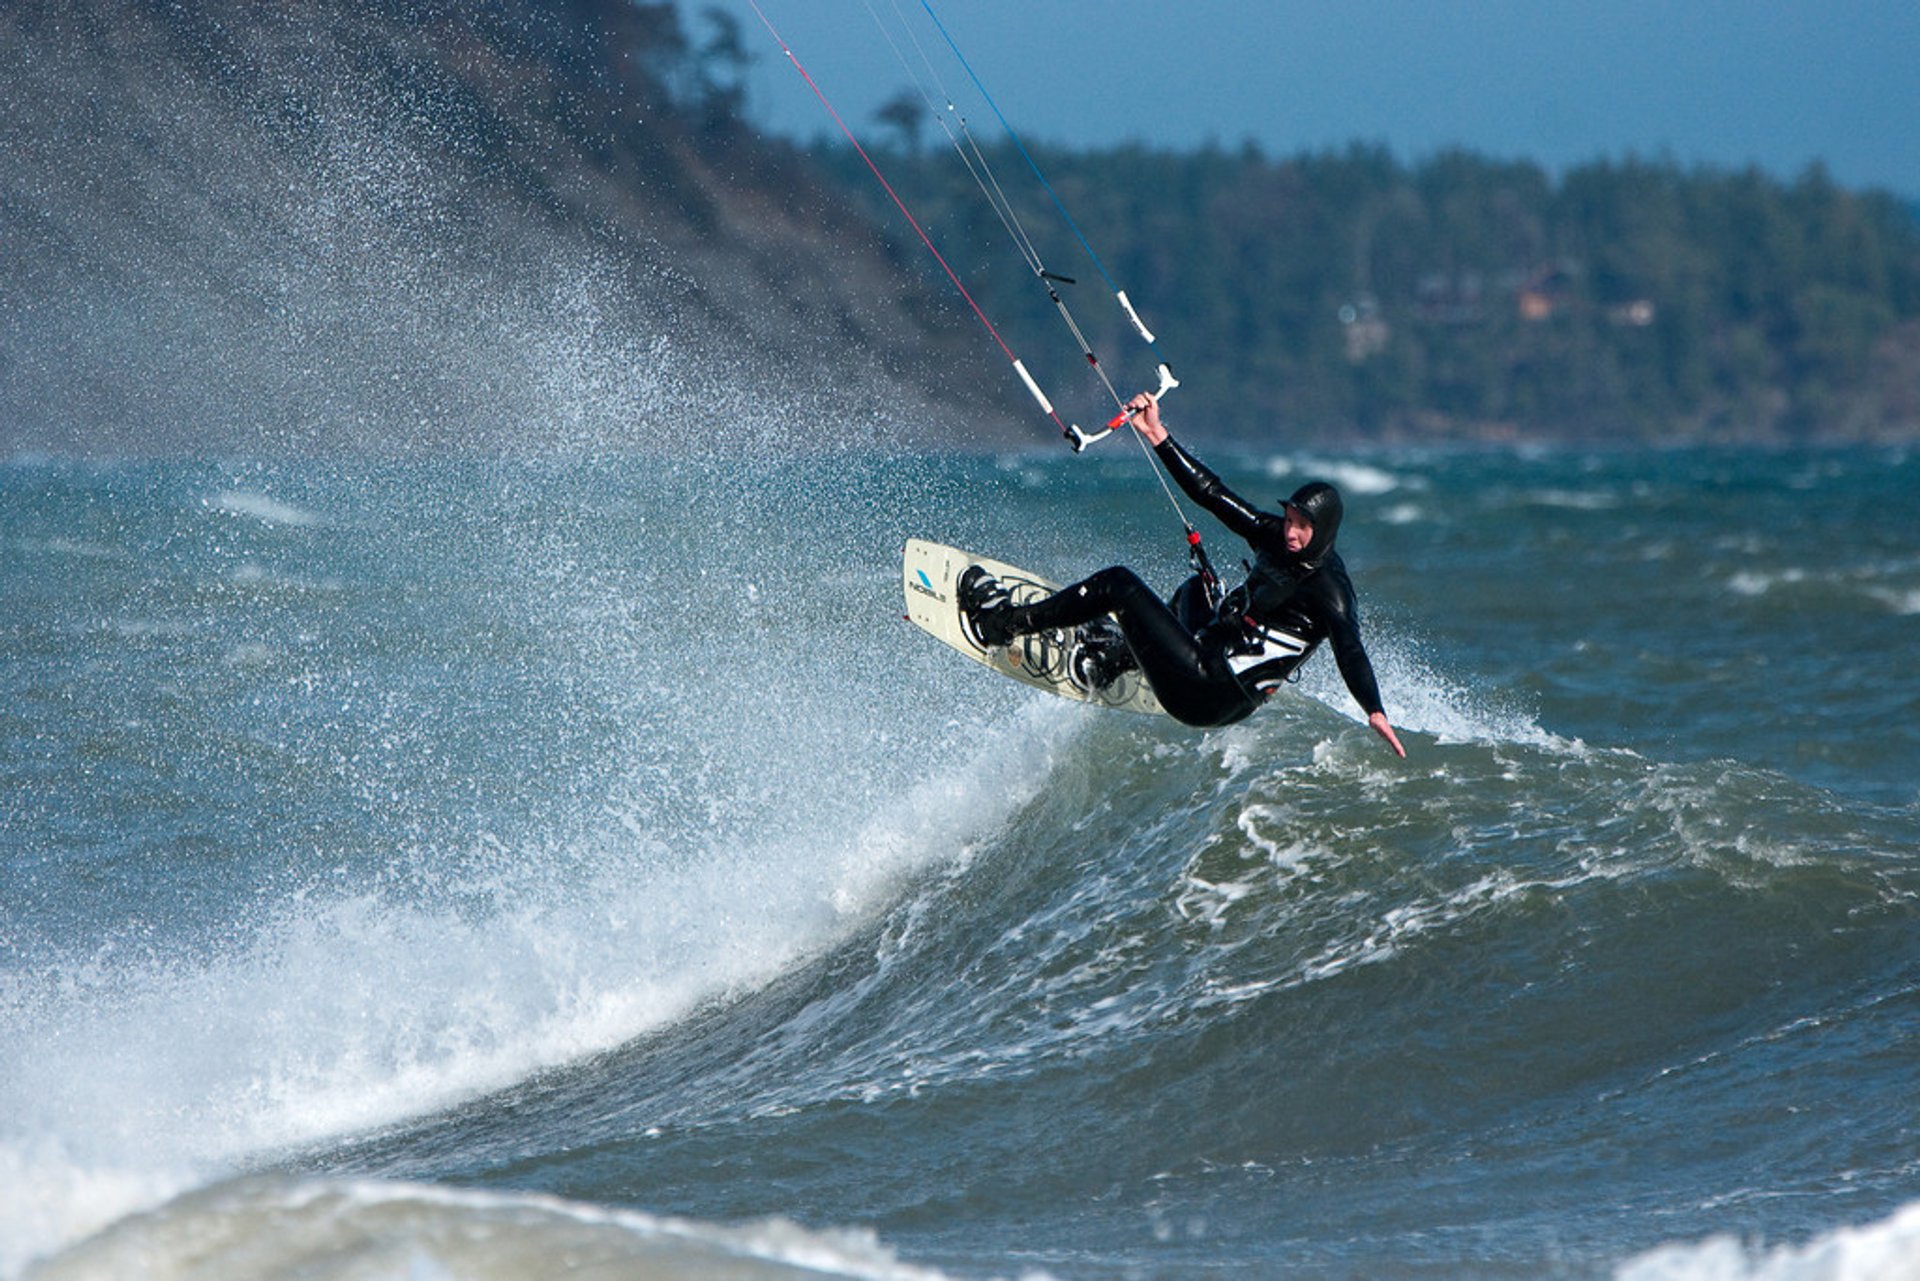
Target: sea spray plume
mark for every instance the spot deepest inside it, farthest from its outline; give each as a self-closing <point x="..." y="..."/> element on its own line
<point x="420" y="904"/>
<point x="337" y="226"/>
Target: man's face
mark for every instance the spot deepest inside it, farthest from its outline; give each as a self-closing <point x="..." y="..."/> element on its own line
<point x="1299" y="530"/>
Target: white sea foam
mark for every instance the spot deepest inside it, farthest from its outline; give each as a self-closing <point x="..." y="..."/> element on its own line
<point x="1902" y="601"/>
<point x="1592" y="500"/>
<point x="81" y="548"/>
<point x="326" y="1230"/>
<point x="1888" y="1250"/>
<point x="1754" y="582"/>
<point x="1351" y="477"/>
<point x="47" y="1198"/>
<point x="269" y="511"/>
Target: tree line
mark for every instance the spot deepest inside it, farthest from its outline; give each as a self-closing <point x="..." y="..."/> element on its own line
<point x="1349" y="292"/>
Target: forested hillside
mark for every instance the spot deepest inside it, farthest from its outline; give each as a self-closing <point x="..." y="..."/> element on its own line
<point x="1462" y="296"/>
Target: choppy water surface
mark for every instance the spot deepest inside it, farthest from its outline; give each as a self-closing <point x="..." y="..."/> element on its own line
<point x="486" y="863"/>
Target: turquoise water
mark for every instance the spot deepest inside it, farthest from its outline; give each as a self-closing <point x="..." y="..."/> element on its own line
<point x="463" y="866"/>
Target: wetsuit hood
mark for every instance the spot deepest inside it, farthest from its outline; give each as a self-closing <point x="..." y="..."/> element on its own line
<point x="1320" y="503"/>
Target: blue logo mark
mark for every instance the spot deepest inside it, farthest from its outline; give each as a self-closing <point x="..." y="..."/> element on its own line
<point x="924" y="580"/>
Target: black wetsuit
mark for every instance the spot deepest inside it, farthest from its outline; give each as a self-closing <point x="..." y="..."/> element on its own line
<point x="1215" y="666"/>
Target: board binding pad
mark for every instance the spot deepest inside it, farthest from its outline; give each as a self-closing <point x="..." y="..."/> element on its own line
<point x="930" y="574"/>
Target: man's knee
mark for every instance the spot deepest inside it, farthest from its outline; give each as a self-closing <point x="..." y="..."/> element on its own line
<point x="1116" y="583"/>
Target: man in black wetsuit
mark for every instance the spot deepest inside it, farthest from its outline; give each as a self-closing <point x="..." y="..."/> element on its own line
<point x="1214" y="666"/>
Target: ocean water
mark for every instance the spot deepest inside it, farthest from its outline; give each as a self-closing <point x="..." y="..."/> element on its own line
<point x="576" y="867"/>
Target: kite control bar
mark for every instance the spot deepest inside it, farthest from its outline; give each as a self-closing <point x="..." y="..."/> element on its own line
<point x="1080" y="439"/>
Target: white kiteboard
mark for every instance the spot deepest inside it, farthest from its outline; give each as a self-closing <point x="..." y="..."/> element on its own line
<point x="1045" y="660"/>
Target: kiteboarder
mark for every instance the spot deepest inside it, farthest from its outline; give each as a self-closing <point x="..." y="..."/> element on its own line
<point x="1211" y="664"/>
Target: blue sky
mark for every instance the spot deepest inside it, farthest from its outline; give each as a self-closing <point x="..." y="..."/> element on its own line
<point x="1724" y="83"/>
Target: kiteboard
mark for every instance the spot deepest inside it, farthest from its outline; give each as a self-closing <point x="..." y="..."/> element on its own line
<point x="1054" y="661"/>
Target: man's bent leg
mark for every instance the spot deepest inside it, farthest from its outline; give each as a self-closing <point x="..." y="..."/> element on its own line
<point x="1168" y="653"/>
<point x="1111" y="591"/>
